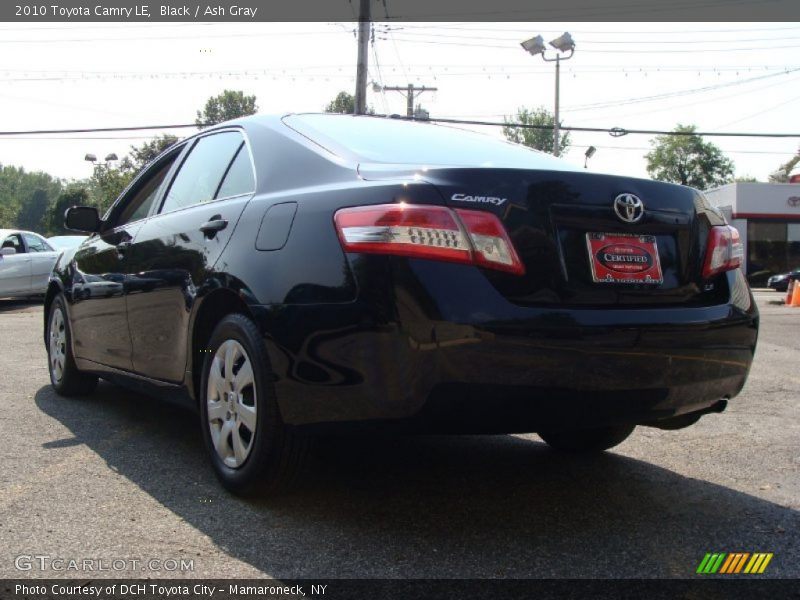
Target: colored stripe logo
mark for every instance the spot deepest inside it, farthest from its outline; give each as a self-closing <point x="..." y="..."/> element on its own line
<point x="734" y="563"/>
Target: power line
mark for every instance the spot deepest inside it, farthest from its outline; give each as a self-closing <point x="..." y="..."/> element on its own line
<point x="96" y="129"/>
<point x="615" y="131"/>
<point x="683" y="42"/>
<point x="675" y="94"/>
<point x="527" y="31"/>
<point x="601" y="147"/>
<point x="514" y="46"/>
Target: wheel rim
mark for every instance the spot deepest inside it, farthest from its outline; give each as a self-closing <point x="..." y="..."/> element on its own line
<point x="231" y="404"/>
<point x="58" y="344"/>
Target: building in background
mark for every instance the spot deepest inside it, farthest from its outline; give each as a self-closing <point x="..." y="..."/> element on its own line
<point x="767" y="216"/>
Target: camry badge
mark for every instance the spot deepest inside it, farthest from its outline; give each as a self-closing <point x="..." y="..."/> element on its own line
<point x="629" y="208"/>
<point x="478" y="199"/>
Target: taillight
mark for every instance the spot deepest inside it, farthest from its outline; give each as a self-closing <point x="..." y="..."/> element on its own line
<point x="724" y="251"/>
<point x="434" y="232"/>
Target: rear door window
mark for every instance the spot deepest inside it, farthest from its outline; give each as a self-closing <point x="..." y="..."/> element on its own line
<point x="239" y="179"/>
<point x="201" y="174"/>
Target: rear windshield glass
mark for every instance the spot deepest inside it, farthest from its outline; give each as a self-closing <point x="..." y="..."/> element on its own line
<point x="383" y="140"/>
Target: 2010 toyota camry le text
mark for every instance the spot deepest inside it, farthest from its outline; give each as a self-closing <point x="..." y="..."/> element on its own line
<point x="296" y="274"/>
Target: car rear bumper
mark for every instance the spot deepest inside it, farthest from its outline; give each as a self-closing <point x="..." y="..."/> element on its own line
<point x="428" y="361"/>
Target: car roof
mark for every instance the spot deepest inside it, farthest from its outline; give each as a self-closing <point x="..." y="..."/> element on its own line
<point x="5" y="232"/>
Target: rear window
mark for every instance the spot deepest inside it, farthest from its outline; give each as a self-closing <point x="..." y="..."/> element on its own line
<point x="394" y="141"/>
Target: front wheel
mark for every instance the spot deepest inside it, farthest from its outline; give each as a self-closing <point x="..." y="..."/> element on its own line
<point x="65" y="377"/>
<point x="250" y="448"/>
<point x="587" y="440"/>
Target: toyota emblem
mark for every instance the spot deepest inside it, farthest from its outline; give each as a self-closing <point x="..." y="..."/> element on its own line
<point x="629" y="208"/>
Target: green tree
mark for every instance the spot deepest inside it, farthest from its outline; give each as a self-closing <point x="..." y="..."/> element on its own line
<point x="344" y="103"/>
<point x="25" y="197"/>
<point x="746" y="179"/>
<point x="106" y="184"/>
<point x="688" y="160"/>
<point x="141" y="156"/>
<point x="782" y="174"/>
<point x="230" y="104"/>
<point x="540" y="139"/>
<point x="31" y="213"/>
<point x="75" y="194"/>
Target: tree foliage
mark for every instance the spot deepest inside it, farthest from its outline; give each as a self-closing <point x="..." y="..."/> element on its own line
<point x="688" y="160"/>
<point x="540" y="139"/>
<point x="230" y="104"/>
<point x="344" y="103"/>
<point x="75" y="194"/>
<point x="108" y="182"/>
<point x="25" y="197"/>
<point x="141" y="156"/>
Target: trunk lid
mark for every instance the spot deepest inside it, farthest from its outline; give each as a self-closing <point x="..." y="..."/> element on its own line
<point x="548" y="215"/>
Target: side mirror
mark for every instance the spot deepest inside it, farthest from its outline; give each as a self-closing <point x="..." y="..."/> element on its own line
<point x="82" y="218"/>
<point x="7" y="251"/>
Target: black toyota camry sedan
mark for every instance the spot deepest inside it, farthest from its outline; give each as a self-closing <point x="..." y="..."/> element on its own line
<point x="297" y="274"/>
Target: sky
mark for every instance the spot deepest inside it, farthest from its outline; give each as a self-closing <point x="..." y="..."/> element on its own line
<point x="722" y="77"/>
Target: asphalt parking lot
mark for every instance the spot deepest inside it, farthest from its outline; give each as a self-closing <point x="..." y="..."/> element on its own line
<point x="122" y="476"/>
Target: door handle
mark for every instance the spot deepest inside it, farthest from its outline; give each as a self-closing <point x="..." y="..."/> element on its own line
<point x="212" y="226"/>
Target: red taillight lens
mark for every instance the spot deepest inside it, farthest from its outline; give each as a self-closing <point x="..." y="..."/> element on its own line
<point x="724" y="251"/>
<point x="434" y="232"/>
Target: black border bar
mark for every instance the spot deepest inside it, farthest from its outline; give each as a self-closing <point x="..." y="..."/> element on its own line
<point x="150" y="11"/>
<point x="355" y="589"/>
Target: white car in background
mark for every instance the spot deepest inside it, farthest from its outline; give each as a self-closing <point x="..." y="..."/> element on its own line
<point x="26" y="260"/>
<point x="65" y="242"/>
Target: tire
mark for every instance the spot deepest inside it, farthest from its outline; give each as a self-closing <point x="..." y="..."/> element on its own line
<point x="251" y="450"/>
<point x="65" y="377"/>
<point x="587" y="440"/>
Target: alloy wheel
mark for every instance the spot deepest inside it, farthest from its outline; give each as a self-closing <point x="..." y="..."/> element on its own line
<point x="58" y="344"/>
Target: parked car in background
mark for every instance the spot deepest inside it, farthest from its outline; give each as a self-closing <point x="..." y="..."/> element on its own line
<point x="26" y="260"/>
<point x="780" y="282"/>
<point x="289" y="274"/>
<point x="64" y="242"/>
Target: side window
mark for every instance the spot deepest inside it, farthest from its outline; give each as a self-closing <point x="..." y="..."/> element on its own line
<point x="14" y="241"/>
<point x="239" y="179"/>
<point x="36" y="244"/>
<point x="202" y="171"/>
<point x="138" y="206"/>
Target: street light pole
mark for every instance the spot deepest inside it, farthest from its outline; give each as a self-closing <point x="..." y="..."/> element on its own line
<point x="556" y="140"/>
<point x="563" y="43"/>
<point x="108" y="160"/>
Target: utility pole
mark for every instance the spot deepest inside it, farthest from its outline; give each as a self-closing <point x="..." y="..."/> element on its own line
<point x="409" y="92"/>
<point x="364" y="26"/>
<point x="556" y="132"/>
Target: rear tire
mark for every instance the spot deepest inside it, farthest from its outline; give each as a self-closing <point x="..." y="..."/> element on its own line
<point x="587" y="440"/>
<point x="65" y="377"/>
<point x="251" y="449"/>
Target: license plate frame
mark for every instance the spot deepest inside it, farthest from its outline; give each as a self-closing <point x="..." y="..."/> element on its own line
<point x="624" y="258"/>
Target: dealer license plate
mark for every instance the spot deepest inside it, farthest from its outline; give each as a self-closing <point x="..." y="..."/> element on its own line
<point x="623" y="258"/>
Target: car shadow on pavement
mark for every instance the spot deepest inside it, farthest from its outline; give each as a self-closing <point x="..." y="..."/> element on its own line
<point x="11" y="305"/>
<point x="433" y="506"/>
